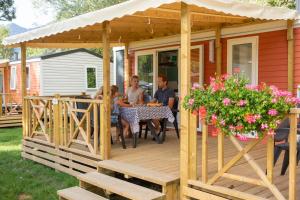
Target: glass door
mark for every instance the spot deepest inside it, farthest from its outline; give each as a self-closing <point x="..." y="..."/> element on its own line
<point x="168" y="66"/>
<point x="145" y="71"/>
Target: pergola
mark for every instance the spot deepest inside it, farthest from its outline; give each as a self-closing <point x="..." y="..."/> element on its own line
<point x="137" y="20"/>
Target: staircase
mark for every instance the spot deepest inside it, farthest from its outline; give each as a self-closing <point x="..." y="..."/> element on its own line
<point x="120" y="179"/>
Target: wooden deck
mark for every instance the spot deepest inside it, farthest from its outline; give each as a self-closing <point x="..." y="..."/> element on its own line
<point x="11" y="121"/>
<point x="165" y="158"/>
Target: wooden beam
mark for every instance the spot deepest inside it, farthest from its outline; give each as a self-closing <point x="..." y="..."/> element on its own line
<point x="163" y="13"/>
<point x="106" y="89"/>
<point x="126" y="66"/>
<point x="291" y="54"/>
<point x="185" y="59"/>
<point x="70" y="45"/>
<point x="193" y="147"/>
<point x="23" y="83"/>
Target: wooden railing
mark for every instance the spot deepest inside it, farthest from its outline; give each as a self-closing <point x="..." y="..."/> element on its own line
<point x="6" y="102"/>
<point x="66" y="123"/>
<point x="265" y="177"/>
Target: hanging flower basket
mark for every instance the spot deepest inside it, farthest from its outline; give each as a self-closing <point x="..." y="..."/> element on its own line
<point x="236" y="108"/>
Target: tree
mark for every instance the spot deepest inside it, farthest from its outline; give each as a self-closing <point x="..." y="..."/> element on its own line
<point x="7" y="10"/>
<point x="279" y="3"/>
<point x="5" y="53"/>
<point x="71" y="8"/>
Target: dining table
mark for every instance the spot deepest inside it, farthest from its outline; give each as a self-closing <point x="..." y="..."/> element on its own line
<point x="133" y="115"/>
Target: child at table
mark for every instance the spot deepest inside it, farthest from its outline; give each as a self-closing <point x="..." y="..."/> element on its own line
<point x="116" y="103"/>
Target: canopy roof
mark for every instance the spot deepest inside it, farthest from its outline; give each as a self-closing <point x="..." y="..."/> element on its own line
<point x="144" y="19"/>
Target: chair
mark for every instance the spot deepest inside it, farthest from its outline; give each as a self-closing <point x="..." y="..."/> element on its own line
<point x="282" y="134"/>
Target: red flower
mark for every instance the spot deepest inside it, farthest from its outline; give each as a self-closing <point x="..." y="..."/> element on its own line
<point x="202" y="112"/>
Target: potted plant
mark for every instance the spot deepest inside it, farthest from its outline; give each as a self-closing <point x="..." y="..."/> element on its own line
<point x="238" y="108"/>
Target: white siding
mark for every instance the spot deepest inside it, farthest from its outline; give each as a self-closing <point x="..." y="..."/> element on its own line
<point x="66" y="74"/>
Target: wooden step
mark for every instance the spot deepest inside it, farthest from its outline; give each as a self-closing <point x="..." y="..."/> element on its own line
<point x="138" y="172"/>
<point x="77" y="193"/>
<point x="119" y="187"/>
<point x="223" y="191"/>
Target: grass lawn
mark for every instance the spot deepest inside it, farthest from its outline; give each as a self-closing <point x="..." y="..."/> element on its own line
<point x="23" y="179"/>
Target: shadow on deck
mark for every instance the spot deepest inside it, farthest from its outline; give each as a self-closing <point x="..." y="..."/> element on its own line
<point x="164" y="158"/>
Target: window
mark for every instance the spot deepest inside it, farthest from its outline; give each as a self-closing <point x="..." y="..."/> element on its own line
<point x="91" y="78"/>
<point x="243" y="58"/>
<point x="13" y="76"/>
<point x="27" y="77"/>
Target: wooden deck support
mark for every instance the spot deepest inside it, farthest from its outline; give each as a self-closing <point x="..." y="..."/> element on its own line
<point x="106" y="90"/>
<point x="184" y="89"/>
<point x="218" y="50"/>
<point x="292" y="156"/>
<point x="291" y="54"/>
<point x="23" y="84"/>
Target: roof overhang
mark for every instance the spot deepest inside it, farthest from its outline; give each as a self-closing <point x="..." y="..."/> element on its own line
<point x="136" y="20"/>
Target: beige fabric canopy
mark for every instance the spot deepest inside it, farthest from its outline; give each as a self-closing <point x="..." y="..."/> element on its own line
<point x="143" y="19"/>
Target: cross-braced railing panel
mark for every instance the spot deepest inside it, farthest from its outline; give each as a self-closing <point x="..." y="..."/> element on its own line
<point x="261" y="176"/>
<point x="67" y="123"/>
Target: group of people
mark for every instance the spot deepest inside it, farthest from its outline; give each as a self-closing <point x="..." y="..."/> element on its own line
<point x="135" y="96"/>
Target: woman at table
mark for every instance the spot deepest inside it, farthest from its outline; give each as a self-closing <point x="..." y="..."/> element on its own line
<point x="135" y="94"/>
<point x="116" y="103"/>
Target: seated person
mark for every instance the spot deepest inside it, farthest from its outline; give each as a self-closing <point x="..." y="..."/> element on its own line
<point x="99" y="94"/>
<point x="117" y="102"/>
<point x="135" y="94"/>
<point x="163" y="95"/>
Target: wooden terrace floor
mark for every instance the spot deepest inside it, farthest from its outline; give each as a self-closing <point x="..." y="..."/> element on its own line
<point x="165" y="158"/>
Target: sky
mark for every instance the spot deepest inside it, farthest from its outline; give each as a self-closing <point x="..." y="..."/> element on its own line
<point x="29" y="17"/>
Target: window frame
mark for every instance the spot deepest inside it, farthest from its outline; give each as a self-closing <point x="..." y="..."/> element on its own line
<point x="244" y="40"/>
<point x="15" y="78"/>
<point x="86" y="78"/>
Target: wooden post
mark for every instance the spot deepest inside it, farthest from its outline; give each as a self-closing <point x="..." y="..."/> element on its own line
<point x="291" y="54"/>
<point x="218" y="50"/>
<point x="193" y="147"/>
<point x="204" y="152"/>
<point x="126" y="67"/>
<point x="56" y="123"/>
<point x="185" y="58"/>
<point x="293" y="156"/>
<point x="1" y="102"/>
<point x="270" y="158"/>
<point x="106" y="89"/>
<point x="23" y="82"/>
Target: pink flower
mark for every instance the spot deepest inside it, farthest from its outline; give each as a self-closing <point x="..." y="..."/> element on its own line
<point x="195" y="86"/>
<point x="264" y="126"/>
<point x="191" y="101"/>
<point x="274" y="100"/>
<point x="239" y="127"/>
<point x="242" y="137"/>
<point x="271" y="132"/>
<point x="226" y="101"/>
<point x="272" y="112"/>
<point x="231" y="127"/>
<point x="251" y="119"/>
<point x="222" y="122"/>
<point x="225" y="76"/>
<point x="251" y="87"/>
<point x="257" y="116"/>
<point x="242" y="103"/>
<point x="214" y="119"/>
<point x="277" y="122"/>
